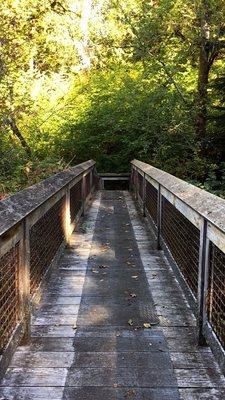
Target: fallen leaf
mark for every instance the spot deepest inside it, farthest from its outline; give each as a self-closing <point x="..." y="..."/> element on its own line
<point x="130" y="394"/>
<point x="130" y="322"/>
<point x="138" y="327"/>
<point x="146" y="325"/>
<point x="94" y="271"/>
<point x="103" y="248"/>
<point x="130" y="264"/>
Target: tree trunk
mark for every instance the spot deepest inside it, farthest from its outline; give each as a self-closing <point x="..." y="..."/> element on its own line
<point x="18" y="134"/>
<point x="202" y="99"/>
<point x="85" y="17"/>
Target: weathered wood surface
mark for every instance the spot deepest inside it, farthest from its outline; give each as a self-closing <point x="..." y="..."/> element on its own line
<point x="82" y="346"/>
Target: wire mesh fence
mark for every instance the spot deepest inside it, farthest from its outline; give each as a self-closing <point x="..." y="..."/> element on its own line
<point x="9" y="294"/>
<point x="183" y="240"/>
<point x="216" y="292"/>
<point x="46" y="236"/>
<point x="75" y="200"/>
<point x="87" y="185"/>
<point x="140" y="185"/>
<point x="151" y="200"/>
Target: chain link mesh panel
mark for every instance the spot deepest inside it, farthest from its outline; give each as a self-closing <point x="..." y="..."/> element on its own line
<point x="46" y="236"/>
<point x="132" y="176"/>
<point x="216" y="292"/>
<point x="182" y="239"/>
<point x="87" y="185"/>
<point x="75" y="200"/>
<point x="95" y="180"/>
<point x="140" y="185"/>
<point x="9" y="294"/>
<point x="135" y="178"/>
<point x="151" y="200"/>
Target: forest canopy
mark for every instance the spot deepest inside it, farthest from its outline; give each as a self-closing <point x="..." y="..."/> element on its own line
<point x="112" y="80"/>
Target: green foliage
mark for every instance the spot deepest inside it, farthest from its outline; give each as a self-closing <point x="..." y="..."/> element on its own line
<point x="110" y="80"/>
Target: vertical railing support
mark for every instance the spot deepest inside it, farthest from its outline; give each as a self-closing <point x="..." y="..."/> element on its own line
<point x="136" y="184"/>
<point x="67" y="222"/>
<point x="202" y="282"/>
<point x="24" y="282"/>
<point x="159" y="218"/>
<point x="83" y="193"/>
<point x="144" y="195"/>
<point x="91" y="179"/>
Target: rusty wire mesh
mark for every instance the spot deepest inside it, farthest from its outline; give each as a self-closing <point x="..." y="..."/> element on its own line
<point x="140" y="185"/>
<point x="46" y="236"/>
<point x="134" y="179"/>
<point x="95" y="180"/>
<point x="182" y="239"/>
<point x="216" y="292"/>
<point x="151" y="200"/>
<point x="132" y="176"/>
<point x="9" y="294"/>
<point x="75" y="200"/>
<point x="87" y="184"/>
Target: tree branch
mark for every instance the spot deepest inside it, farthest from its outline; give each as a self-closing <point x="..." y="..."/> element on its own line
<point x="18" y="134"/>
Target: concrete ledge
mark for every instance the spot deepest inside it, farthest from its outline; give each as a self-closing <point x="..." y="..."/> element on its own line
<point x="17" y="207"/>
<point x="206" y="204"/>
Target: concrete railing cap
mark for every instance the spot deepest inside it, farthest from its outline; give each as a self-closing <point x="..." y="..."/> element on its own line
<point x="18" y="206"/>
<point x="206" y="204"/>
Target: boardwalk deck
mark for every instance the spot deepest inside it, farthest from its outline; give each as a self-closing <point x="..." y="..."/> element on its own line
<point x="88" y="336"/>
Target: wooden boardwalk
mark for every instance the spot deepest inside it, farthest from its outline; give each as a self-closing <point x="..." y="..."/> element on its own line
<point x="113" y="322"/>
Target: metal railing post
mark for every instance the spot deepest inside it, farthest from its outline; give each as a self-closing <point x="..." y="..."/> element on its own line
<point x="159" y="218"/>
<point x="144" y="195"/>
<point x="136" y="184"/>
<point x="202" y="282"/>
<point x="24" y="282"/>
<point x="83" y="193"/>
<point x="91" y="179"/>
<point x="67" y="222"/>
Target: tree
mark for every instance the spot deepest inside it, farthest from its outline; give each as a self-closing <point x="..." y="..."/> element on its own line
<point x="178" y="35"/>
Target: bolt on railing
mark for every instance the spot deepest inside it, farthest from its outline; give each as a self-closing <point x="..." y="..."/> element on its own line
<point x="190" y="226"/>
<point x="35" y="225"/>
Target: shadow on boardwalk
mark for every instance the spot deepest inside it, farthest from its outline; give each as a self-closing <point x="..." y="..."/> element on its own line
<point x="88" y="337"/>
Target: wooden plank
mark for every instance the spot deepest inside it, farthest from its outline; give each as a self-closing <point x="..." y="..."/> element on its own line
<point x="202" y="393"/>
<point x="32" y="359"/>
<point x="35" y="377"/>
<point x="200" y="378"/>
<point x="34" y="393"/>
